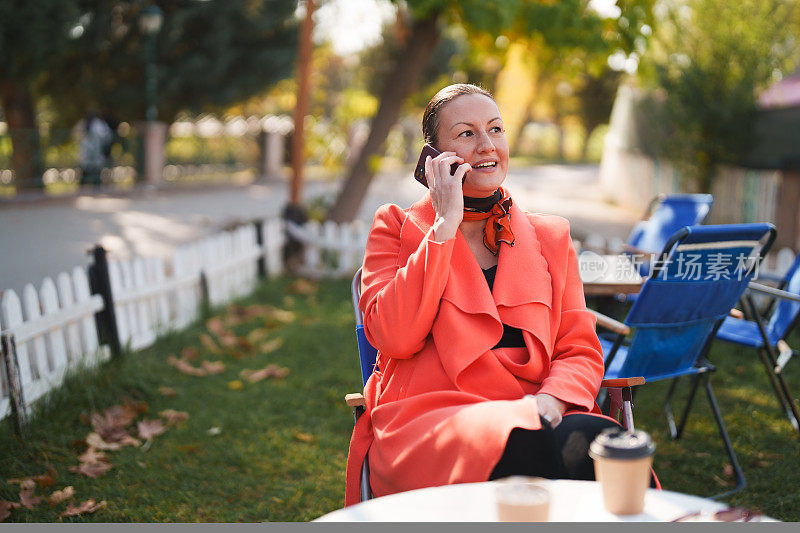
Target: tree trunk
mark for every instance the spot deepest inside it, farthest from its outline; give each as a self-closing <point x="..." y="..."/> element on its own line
<point x="26" y="157"/>
<point x="403" y="80"/>
<point x="585" y="144"/>
<point x="301" y="109"/>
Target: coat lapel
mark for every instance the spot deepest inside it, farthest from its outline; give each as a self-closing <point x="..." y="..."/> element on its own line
<point x="470" y="317"/>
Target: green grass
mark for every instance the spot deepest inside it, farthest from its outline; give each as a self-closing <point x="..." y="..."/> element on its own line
<point x="258" y="469"/>
<point x="255" y="469"/>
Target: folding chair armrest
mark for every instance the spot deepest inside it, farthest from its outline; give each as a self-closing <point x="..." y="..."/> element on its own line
<point x="622" y="382"/>
<point x="757" y="287"/>
<point x="355" y="399"/>
<point x="609" y="323"/>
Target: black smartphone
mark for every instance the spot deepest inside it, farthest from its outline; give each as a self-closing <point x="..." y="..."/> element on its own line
<point x="419" y="172"/>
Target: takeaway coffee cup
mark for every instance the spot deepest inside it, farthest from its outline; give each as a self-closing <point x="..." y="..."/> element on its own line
<point x="522" y="499"/>
<point x="622" y="461"/>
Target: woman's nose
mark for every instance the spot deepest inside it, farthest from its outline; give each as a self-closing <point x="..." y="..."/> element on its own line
<point x="485" y="144"/>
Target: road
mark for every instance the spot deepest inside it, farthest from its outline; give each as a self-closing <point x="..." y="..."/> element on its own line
<point x="43" y="238"/>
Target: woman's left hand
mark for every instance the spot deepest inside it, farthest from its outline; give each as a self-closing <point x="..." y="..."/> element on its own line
<point x="550" y="408"/>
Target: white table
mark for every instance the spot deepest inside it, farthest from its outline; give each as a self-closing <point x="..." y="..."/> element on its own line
<point x="607" y="275"/>
<point x="571" y="501"/>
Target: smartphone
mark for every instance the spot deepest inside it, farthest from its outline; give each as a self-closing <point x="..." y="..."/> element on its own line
<point x="419" y="172"/>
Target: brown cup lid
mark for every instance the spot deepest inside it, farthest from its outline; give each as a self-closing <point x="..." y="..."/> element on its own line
<point x="617" y="443"/>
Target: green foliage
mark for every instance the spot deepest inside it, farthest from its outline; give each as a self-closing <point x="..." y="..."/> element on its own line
<point x="208" y="55"/>
<point x="711" y="58"/>
<point x="32" y="34"/>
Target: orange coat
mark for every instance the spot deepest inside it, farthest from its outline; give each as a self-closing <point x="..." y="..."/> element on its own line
<point x="443" y="403"/>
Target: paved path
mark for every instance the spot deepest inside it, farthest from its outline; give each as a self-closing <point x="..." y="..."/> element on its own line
<point x="39" y="239"/>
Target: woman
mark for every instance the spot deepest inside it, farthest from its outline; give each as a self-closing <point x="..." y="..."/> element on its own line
<point x="488" y="359"/>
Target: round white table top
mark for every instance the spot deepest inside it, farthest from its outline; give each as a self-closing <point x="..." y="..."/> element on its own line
<point x="571" y="501"/>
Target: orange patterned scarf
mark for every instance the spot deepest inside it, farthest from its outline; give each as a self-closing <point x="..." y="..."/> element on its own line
<point x="498" y="221"/>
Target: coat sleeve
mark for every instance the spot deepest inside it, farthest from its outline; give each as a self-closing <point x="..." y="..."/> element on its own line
<point x="400" y="298"/>
<point x="576" y="366"/>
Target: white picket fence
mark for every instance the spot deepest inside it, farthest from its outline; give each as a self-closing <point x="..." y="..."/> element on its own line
<point x="331" y="250"/>
<point x="54" y="328"/>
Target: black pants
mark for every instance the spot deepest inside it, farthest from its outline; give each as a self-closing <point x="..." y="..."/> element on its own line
<point x="558" y="453"/>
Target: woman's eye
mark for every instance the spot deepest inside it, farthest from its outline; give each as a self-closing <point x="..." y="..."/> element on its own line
<point x="465" y="133"/>
<point x="497" y="129"/>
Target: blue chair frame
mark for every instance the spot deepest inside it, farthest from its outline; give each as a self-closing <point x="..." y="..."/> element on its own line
<point x="676" y="315"/>
<point x="767" y="333"/>
<point x="619" y="390"/>
<point x="665" y="215"/>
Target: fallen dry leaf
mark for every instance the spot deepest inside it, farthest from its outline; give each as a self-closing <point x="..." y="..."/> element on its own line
<point x="257" y="335"/>
<point x="5" y="509"/>
<point x="92" y="470"/>
<point x="184" y="367"/>
<point x="188" y="448"/>
<point x="728" y="470"/>
<point x="87" y="507"/>
<point x="721" y="482"/>
<point x="59" y="496"/>
<point x="301" y="286"/>
<point x="139" y="407"/>
<point x="96" y="441"/>
<point x="245" y="345"/>
<point x="169" y="392"/>
<point x="174" y="417"/>
<point x="270" y="371"/>
<point x="270" y="346"/>
<point x="228" y="340"/>
<point x="190" y="353"/>
<point x="150" y="428"/>
<point x="279" y="315"/>
<point x="92" y="456"/>
<point x="48" y="479"/>
<point x="215" y="326"/>
<point x="26" y="494"/>
<point x="304" y="437"/>
<point x="209" y="344"/>
<point x="213" y="367"/>
<point x="236" y="354"/>
<point x="235" y="385"/>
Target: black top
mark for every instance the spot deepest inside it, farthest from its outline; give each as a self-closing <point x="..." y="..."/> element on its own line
<point x="512" y="337"/>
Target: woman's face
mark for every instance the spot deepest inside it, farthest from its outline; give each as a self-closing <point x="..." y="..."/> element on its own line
<point x="470" y="125"/>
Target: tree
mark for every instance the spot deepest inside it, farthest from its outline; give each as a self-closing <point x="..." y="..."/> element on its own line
<point x="711" y="58"/>
<point x="209" y="55"/>
<point x="32" y="35"/>
<point x="423" y="22"/>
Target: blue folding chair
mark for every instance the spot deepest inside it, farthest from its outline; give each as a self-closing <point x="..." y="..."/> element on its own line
<point x="619" y="389"/>
<point x="665" y="215"/>
<point x="767" y="333"/>
<point x="700" y="275"/>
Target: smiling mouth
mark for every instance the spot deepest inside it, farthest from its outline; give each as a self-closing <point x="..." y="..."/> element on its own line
<point x="490" y="164"/>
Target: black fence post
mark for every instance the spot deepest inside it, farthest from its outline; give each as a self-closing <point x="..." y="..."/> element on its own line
<point x="11" y="369"/>
<point x="293" y="249"/>
<point x="205" y="300"/>
<point x="106" y="318"/>
<point x="262" y="260"/>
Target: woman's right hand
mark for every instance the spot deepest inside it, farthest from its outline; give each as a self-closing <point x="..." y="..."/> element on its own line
<point x="446" y="193"/>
